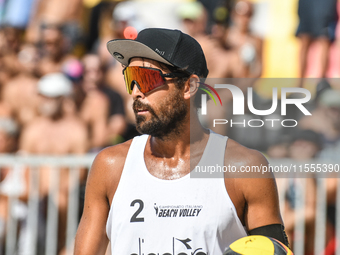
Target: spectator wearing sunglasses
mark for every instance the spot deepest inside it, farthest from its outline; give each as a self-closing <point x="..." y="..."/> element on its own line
<point x="142" y="195"/>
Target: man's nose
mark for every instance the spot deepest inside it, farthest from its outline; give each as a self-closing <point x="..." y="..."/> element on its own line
<point x="136" y="93"/>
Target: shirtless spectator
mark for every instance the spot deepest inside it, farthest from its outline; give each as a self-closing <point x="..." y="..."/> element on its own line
<point x="19" y="93"/>
<point x="222" y="62"/>
<point x="53" y="49"/>
<point x="105" y="116"/>
<point x="194" y="18"/>
<point x="239" y="37"/>
<point x="68" y="12"/>
<point x="55" y="133"/>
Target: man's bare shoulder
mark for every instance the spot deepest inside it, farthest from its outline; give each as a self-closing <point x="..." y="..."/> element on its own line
<point x="74" y="122"/>
<point x="96" y="97"/>
<point x="5" y="110"/>
<point x="31" y="133"/>
<point x="248" y="162"/>
<point x="16" y="86"/>
<point x="114" y="154"/>
<point x="248" y="186"/>
<point x="240" y="155"/>
<point x="108" y="167"/>
<point x="112" y="157"/>
<point x="36" y="124"/>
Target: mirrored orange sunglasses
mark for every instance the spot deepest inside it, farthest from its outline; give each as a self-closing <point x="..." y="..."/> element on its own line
<point x="146" y="78"/>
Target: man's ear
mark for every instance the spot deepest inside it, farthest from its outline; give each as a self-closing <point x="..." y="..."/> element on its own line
<point x="191" y="86"/>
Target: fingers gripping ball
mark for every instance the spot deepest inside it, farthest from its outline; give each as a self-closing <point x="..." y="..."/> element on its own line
<point x="257" y="245"/>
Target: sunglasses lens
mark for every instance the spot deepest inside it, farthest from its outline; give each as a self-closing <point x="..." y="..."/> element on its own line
<point x="128" y="80"/>
<point x="146" y="79"/>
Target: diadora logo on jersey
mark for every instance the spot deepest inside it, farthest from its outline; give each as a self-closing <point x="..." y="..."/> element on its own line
<point x="177" y="210"/>
<point x="178" y="247"/>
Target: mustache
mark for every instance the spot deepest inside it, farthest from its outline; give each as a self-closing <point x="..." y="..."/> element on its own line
<point x="138" y="104"/>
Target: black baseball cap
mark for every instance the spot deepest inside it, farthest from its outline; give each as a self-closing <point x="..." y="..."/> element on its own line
<point x="171" y="47"/>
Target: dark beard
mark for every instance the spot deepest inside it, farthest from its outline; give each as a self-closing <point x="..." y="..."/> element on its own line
<point x="168" y="121"/>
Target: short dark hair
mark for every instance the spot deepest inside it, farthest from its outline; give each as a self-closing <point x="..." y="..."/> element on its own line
<point x="180" y="81"/>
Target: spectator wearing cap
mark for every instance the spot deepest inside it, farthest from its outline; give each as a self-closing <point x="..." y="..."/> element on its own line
<point x="222" y="62"/>
<point x="194" y="18"/>
<point x="55" y="133"/>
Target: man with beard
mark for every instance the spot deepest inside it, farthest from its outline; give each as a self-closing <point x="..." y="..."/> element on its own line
<point x="141" y="192"/>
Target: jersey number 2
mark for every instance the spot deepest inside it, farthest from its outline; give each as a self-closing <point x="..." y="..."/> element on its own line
<point x="141" y="206"/>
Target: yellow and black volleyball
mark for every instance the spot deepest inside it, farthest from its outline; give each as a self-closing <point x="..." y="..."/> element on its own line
<point x="257" y="245"/>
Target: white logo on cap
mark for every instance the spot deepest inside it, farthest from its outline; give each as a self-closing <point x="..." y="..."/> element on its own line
<point x="160" y="52"/>
<point x="118" y="55"/>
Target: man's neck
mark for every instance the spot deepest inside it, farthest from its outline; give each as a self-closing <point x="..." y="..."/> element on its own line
<point x="178" y="143"/>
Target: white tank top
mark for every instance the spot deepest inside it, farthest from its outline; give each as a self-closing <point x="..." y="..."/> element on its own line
<point x="151" y="216"/>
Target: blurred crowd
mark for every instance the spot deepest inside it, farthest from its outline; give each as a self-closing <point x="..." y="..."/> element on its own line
<point x="62" y="93"/>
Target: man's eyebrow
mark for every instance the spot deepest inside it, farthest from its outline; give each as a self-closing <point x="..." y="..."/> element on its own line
<point x="143" y="60"/>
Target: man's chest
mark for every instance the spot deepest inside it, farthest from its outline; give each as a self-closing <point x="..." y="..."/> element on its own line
<point x="54" y="140"/>
<point x="161" y="215"/>
<point x="167" y="169"/>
